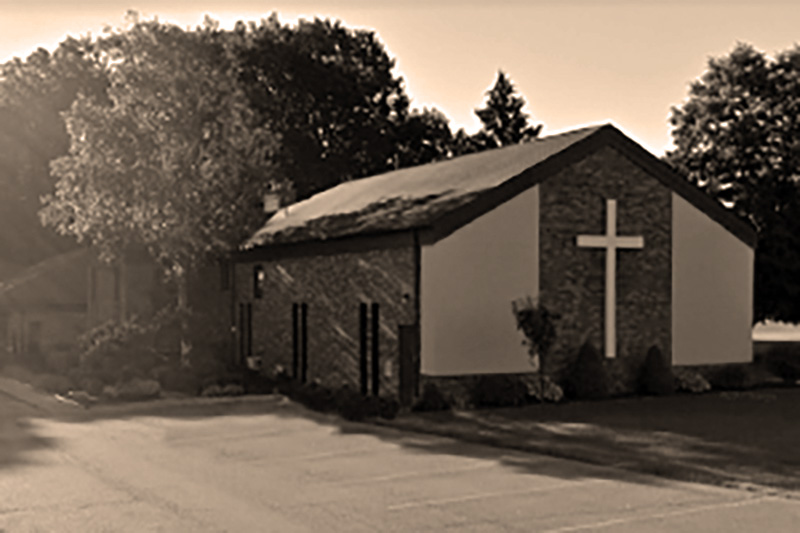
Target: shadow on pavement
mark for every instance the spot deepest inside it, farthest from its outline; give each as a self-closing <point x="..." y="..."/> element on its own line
<point x="18" y="435"/>
<point x="648" y="437"/>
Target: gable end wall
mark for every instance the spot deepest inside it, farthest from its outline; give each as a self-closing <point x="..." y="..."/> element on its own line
<point x="572" y="279"/>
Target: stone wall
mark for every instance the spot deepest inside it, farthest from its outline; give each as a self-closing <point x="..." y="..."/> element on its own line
<point x="572" y="279"/>
<point x="332" y="286"/>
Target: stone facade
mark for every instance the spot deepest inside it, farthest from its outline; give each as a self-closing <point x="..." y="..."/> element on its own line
<point x="572" y="279"/>
<point x="333" y="287"/>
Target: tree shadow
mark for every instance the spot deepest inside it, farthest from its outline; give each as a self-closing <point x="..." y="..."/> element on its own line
<point x="19" y="436"/>
<point x="418" y="440"/>
<point x="712" y="438"/>
<point x="727" y="438"/>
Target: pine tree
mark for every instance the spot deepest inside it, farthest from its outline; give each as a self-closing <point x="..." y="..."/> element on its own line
<point x="503" y="122"/>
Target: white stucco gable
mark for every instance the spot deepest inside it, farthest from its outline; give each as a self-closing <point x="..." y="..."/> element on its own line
<point x="712" y="290"/>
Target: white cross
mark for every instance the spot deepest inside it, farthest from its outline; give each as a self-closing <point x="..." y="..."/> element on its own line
<point x="610" y="241"/>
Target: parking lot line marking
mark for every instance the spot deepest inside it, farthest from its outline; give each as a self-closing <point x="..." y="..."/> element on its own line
<point x="487" y="495"/>
<point x="408" y="475"/>
<point x="658" y="516"/>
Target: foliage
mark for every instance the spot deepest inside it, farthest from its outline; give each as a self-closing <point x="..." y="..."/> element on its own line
<point x="331" y="94"/>
<point x="545" y="390"/>
<point x="170" y="161"/>
<point x="135" y="389"/>
<point x="587" y="378"/>
<point x="214" y="390"/>
<point x="33" y="93"/>
<point x="737" y="138"/>
<point x="498" y="390"/>
<point x="656" y="376"/>
<point x="503" y="122"/>
<point x="349" y="403"/>
<point x="538" y="325"/>
<point x="783" y="362"/>
<point x="53" y="383"/>
<point x="690" y="381"/>
<point x="118" y="351"/>
<point x="173" y="157"/>
<point x="730" y="377"/>
<point x="431" y="399"/>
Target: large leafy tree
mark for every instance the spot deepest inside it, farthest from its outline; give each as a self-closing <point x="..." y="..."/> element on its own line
<point x="33" y="93"/>
<point x="737" y="137"/>
<point x="329" y="92"/>
<point x="171" y="162"/>
<point x="502" y="120"/>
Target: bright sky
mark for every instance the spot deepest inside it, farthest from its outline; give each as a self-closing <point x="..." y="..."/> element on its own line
<point x="576" y="61"/>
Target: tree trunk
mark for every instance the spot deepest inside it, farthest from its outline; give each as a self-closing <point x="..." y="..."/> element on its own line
<point x="183" y="312"/>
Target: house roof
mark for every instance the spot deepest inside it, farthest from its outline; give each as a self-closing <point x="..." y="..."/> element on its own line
<point x="443" y="196"/>
<point x="59" y="281"/>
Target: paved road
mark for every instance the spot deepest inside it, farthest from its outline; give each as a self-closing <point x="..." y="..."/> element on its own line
<point x="267" y="467"/>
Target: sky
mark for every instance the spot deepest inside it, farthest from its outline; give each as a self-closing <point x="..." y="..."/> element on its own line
<point x="576" y="62"/>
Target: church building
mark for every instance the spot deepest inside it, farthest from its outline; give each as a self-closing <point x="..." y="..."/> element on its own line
<point x="390" y="281"/>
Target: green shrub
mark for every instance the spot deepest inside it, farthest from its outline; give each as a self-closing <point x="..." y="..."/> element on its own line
<point x="587" y="378"/>
<point x="176" y="379"/>
<point x="53" y="383"/>
<point x="257" y="383"/>
<point x="690" y="381"/>
<point x="315" y="397"/>
<point x="354" y="407"/>
<point x="730" y="377"/>
<point x="545" y="390"/>
<point x="656" y="376"/>
<point x="388" y="408"/>
<point x="498" y="391"/>
<point x="431" y="399"/>
<point x="783" y="362"/>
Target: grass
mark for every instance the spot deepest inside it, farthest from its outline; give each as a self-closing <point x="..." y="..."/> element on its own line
<point x="742" y="439"/>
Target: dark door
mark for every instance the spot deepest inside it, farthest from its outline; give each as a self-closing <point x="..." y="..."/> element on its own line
<point x="409" y="363"/>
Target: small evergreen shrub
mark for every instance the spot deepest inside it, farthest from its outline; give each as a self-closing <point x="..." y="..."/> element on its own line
<point x="730" y="377"/>
<point x="316" y="397"/>
<point x="656" y="376"/>
<point x="176" y="379"/>
<point x="388" y="408"/>
<point x="545" y="390"/>
<point x="690" y="381"/>
<point x="354" y="407"/>
<point x="53" y="383"/>
<point x="587" y="378"/>
<point x="783" y="362"/>
<point x="431" y="399"/>
<point x="498" y="391"/>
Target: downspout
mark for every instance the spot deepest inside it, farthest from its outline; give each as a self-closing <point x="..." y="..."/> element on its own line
<point x="417" y="309"/>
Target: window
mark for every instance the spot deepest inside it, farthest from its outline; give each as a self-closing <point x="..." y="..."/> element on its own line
<point x="258" y="281"/>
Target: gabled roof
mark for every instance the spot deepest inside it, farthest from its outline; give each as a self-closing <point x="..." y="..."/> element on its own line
<point x="59" y="281"/>
<point x="441" y="197"/>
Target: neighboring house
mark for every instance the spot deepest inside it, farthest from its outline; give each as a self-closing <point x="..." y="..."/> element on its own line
<point x="410" y="276"/>
<point x="46" y="307"/>
<point x="43" y="309"/>
<point x="124" y="289"/>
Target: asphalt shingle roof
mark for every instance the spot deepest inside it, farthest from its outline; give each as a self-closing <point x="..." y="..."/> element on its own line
<point x="426" y="196"/>
<point x="406" y="198"/>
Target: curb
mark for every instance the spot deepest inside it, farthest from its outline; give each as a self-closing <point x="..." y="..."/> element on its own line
<point x="681" y="473"/>
<point x="26" y="394"/>
<point x="49" y="404"/>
